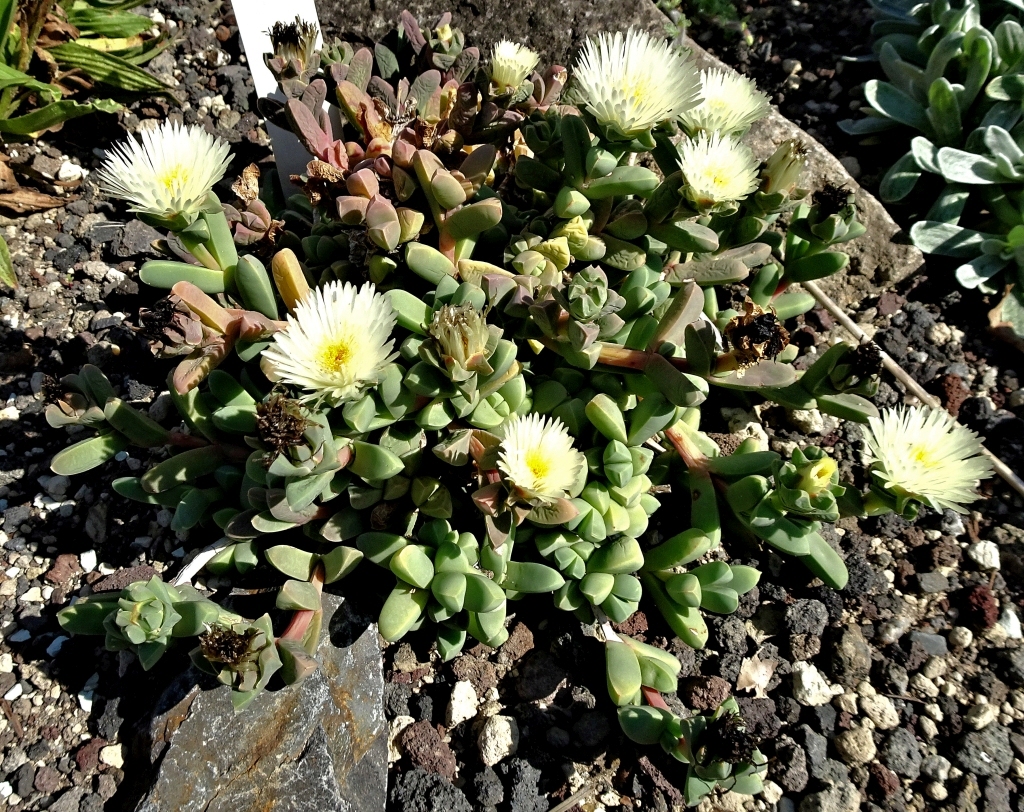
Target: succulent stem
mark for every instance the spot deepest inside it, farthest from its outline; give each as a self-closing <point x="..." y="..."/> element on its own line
<point x="302" y="618"/>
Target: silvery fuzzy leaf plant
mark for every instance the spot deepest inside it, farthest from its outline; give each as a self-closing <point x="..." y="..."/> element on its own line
<point x="956" y="82"/>
<point x="478" y="360"/>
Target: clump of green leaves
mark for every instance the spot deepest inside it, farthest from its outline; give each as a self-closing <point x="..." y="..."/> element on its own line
<point x="62" y="60"/>
<point x="955" y="84"/>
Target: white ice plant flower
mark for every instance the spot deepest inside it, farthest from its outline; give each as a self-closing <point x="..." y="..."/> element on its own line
<point x="511" y="63"/>
<point x="168" y="172"/>
<point x="631" y="83"/>
<point x="335" y="344"/>
<point x="537" y="457"/>
<point x="923" y="454"/>
<point x="731" y="103"/>
<point x="719" y="171"/>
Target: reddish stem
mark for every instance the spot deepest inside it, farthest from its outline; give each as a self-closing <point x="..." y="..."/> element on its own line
<point x="688" y="452"/>
<point x="654" y="699"/>
<point x="303" y="617"/>
<point x="186" y="440"/>
<point x="781" y="287"/>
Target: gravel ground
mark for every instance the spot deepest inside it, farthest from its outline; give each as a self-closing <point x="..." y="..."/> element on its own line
<point x="904" y="691"/>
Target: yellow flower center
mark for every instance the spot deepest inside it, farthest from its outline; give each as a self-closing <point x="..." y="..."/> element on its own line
<point x="174" y="177"/>
<point x="923" y="455"/>
<point x="336" y="356"/>
<point x="538" y="463"/>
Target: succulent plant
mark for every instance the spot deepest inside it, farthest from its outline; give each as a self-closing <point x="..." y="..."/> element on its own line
<point x="478" y="360"/>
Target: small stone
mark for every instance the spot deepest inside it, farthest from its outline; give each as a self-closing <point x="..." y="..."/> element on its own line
<point x="840" y="797"/>
<point x="463" y="705"/>
<point x="498" y="739"/>
<point x="88" y="560"/>
<point x="960" y="637"/>
<point x="902" y="753"/>
<point x="936" y="791"/>
<point x="398" y="724"/>
<point x="809" y="421"/>
<point x="856" y="745"/>
<point x="981" y="716"/>
<point x="880" y="710"/>
<point x="932" y="582"/>
<point x="933" y="644"/>
<point x="14" y="693"/>
<point x="69" y="172"/>
<point x="851" y="165"/>
<point x="936" y="768"/>
<point x="810" y="688"/>
<point x="852" y="659"/>
<point x="985" y="554"/>
<point x="1010" y="623"/>
<point x="112" y="756"/>
<point x="33" y="595"/>
<point x="985" y="752"/>
<point x="6" y="663"/>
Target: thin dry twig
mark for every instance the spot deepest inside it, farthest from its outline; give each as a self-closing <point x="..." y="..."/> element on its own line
<point x="903" y="377"/>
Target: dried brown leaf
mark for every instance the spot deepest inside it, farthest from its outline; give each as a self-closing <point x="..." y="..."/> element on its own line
<point x="27" y="200"/>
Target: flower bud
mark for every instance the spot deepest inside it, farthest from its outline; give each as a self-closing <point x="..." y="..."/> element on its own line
<point x="782" y="170"/>
<point x="461" y="333"/>
<point x="511" y="63"/>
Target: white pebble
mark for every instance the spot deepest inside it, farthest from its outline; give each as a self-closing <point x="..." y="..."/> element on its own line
<point x="810" y="687"/>
<point x="463" y="704"/>
<point x="498" y="739"/>
<point x="69" y="172"/>
<point x="88" y="560"/>
<point x="985" y="554"/>
<point x="112" y="756"/>
<point x="14" y="693"/>
<point x="88" y="693"/>
<point x="1010" y="624"/>
<point x="981" y="716"/>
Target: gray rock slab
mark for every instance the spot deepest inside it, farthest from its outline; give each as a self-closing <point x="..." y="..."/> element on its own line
<point x="879" y="259"/>
<point x="320" y="746"/>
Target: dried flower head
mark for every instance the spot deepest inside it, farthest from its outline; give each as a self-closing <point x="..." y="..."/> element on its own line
<point x="168" y="172"/>
<point x="730" y="104"/>
<point x="170" y="327"/>
<point x="756" y="334"/>
<point x="295" y="42"/>
<point x="281" y="423"/>
<point x="719" y="171"/>
<point x="538" y="458"/>
<point x="222" y="644"/>
<point x="831" y="200"/>
<point x="632" y="83"/>
<point x="335" y="344"/>
<point x="727" y="739"/>
<point x="923" y="454"/>
<point x="511" y="63"/>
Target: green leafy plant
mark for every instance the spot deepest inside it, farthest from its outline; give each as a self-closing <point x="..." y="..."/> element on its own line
<point x="55" y="50"/>
<point x="478" y="360"/>
<point x="955" y="84"/>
